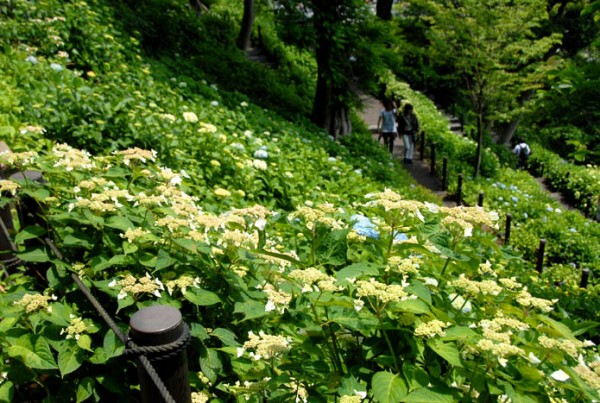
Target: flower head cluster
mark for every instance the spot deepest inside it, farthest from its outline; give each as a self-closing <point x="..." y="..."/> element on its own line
<point x="404" y="265"/>
<point x="19" y="159"/>
<point x="71" y="158"/>
<point x="106" y="201"/>
<point x="277" y="299"/>
<point x="431" y="329"/>
<point x="265" y="346"/>
<point x="35" y="302"/>
<point x="510" y="283"/>
<point x="313" y="279"/>
<point x="182" y="283"/>
<point x="570" y="346"/>
<point x="384" y="292"/>
<point x="9" y="186"/>
<point x="134" y="234"/>
<point x="525" y="299"/>
<point x="190" y="117"/>
<point x="207" y="128"/>
<point x="76" y="327"/>
<point x="137" y="154"/>
<point x="200" y="397"/>
<point x="500" y="349"/>
<point x="589" y="373"/>
<point x="132" y="285"/>
<point x="476" y="287"/>
<point x="473" y="215"/>
<point x="392" y="201"/>
<point x="319" y="214"/>
<point x="239" y="238"/>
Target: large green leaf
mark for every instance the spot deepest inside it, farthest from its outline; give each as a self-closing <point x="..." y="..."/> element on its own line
<point x="30" y="232"/>
<point x="38" y="255"/>
<point x="79" y="239"/>
<point x="85" y="389"/>
<point x="119" y="222"/>
<point x="250" y="309"/>
<point x="412" y="305"/>
<point x="226" y="336"/>
<point x="425" y="395"/>
<point x="333" y="248"/>
<point x="69" y="358"/>
<point x="34" y="351"/>
<point x="388" y="387"/>
<point x="7" y="391"/>
<point x="210" y="363"/>
<point x="357" y="270"/>
<point x="447" y="351"/>
<point x="561" y="328"/>
<point x="198" y="296"/>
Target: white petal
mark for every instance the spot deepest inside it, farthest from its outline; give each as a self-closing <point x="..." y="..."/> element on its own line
<point x="560" y="375"/>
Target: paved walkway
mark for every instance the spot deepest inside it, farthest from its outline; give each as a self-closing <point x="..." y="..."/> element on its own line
<point x="419" y="170"/>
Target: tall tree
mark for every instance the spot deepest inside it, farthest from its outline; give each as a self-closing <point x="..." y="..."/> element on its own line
<point x="245" y="35"/>
<point x="384" y="9"/>
<point x="494" y="47"/>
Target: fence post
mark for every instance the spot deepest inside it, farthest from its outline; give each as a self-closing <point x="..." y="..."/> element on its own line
<point x="155" y="326"/>
<point x="459" y="190"/>
<point x="542" y="170"/>
<point x="432" y="146"/>
<point x="445" y="174"/>
<point x="422" y="146"/>
<point x="480" y="199"/>
<point x="540" y="256"/>
<point x="507" y="228"/>
<point x="585" y="274"/>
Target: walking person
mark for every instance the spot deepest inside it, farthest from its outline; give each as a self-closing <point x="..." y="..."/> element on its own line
<point x="408" y="127"/>
<point x="386" y="124"/>
<point x="522" y="151"/>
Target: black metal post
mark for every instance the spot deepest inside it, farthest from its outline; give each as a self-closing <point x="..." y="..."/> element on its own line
<point x="422" y="146"/>
<point x="480" y="199"/>
<point x="155" y="326"/>
<point x="540" y="256"/>
<point x="585" y="274"/>
<point x="542" y="170"/>
<point x="459" y="190"/>
<point x="432" y="147"/>
<point x="507" y="229"/>
<point x="445" y="174"/>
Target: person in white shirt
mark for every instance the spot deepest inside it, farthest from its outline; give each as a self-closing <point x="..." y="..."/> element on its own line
<point x="386" y="124"/>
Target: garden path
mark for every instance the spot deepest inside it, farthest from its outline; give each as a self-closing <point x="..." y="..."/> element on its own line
<point x="420" y="169"/>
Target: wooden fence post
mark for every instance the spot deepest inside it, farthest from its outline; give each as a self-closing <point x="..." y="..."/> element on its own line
<point x="507" y="228"/>
<point x="459" y="190"/>
<point x="432" y="146"/>
<point x="585" y="274"/>
<point x="445" y="174"/>
<point x="480" y="199"/>
<point x="540" y="256"/>
<point x="159" y="325"/>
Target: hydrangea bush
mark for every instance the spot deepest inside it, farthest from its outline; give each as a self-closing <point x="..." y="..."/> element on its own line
<point x="304" y="305"/>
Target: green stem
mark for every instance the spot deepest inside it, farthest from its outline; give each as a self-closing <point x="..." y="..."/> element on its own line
<point x="445" y="267"/>
<point x="387" y="340"/>
<point x="313" y="246"/>
<point x="329" y="347"/>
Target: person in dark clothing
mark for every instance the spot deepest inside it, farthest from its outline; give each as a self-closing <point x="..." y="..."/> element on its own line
<point x="408" y="127"/>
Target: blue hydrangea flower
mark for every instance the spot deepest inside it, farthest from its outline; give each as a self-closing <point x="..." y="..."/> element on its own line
<point x="262" y="154"/>
<point x="364" y="226"/>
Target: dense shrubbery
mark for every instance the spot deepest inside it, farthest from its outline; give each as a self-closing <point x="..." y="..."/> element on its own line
<point x="579" y="184"/>
<point x="301" y="271"/>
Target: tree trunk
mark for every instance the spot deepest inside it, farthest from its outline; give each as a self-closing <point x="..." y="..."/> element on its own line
<point x="198" y="6"/>
<point x="245" y="36"/>
<point x="384" y="9"/>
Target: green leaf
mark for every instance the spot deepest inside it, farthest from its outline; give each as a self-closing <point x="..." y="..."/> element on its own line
<point x="85" y="342"/>
<point x="250" y="309"/>
<point x="226" y="336"/>
<point x="30" y="232"/>
<point x="79" y="239"/>
<point x="458" y="333"/>
<point x="416" y="377"/>
<point x="388" y="387"/>
<point x="447" y="351"/>
<point x="420" y="290"/>
<point x="69" y="359"/>
<point x="85" y="389"/>
<point x="119" y="222"/>
<point x="210" y="363"/>
<point x="38" y="255"/>
<point x="201" y="297"/>
<point x="516" y="397"/>
<point x="112" y="345"/>
<point x="7" y="391"/>
<point x="164" y="260"/>
<point x="333" y="249"/>
<point x="426" y="395"/>
<point x="561" y="328"/>
<point x="412" y="305"/>
<point x="357" y="270"/>
<point x="38" y="357"/>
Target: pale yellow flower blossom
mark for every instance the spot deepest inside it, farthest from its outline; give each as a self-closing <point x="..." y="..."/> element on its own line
<point x="384" y="292"/>
<point x="265" y="346"/>
<point x="431" y="329"/>
<point x="35" y="302"/>
<point x="133" y="234"/>
<point x="9" y="186"/>
<point x="137" y="154"/>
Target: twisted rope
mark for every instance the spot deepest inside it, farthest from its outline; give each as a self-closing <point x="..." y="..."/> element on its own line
<point x="142" y="360"/>
<point x="161" y="352"/>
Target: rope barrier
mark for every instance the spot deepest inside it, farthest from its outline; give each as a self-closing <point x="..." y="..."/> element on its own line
<point x="130" y="347"/>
